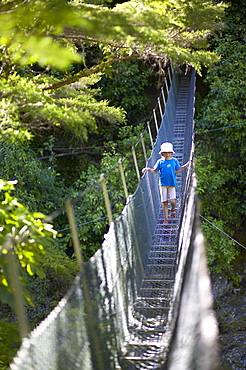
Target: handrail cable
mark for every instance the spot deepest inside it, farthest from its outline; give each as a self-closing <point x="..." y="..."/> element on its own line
<point x="216" y="227"/>
<point x="89" y="222"/>
<point x="219" y="128"/>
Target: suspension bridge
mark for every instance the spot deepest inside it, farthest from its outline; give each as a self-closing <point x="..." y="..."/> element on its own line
<point x="143" y="301"/>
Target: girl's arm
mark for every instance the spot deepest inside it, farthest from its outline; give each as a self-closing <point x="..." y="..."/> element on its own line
<point x="149" y="170"/>
<point x="182" y="167"/>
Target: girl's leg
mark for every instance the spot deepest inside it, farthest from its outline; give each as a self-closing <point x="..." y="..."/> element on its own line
<point x="164" y="201"/>
<point x="165" y="210"/>
<point x="172" y="196"/>
<point x="173" y="205"/>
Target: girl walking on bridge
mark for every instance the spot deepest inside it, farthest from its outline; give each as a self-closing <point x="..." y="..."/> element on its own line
<point x="168" y="167"/>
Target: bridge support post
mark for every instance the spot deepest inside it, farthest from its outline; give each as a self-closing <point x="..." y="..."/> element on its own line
<point x="106" y="198"/>
<point x="72" y="223"/>
<point x="144" y="149"/>
<point x="169" y="74"/>
<point x="150" y="135"/>
<point x="155" y="119"/>
<point x="159" y="104"/>
<point x="166" y="84"/>
<point x="135" y="162"/>
<point x="17" y="290"/>
<point x="163" y="95"/>
<point x="123" y="178"/>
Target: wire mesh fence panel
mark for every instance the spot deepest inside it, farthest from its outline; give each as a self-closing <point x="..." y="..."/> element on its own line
<point x="61" y="341"/>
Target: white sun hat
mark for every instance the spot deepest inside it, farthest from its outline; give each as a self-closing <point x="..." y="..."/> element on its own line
<point x="166" y="148"/>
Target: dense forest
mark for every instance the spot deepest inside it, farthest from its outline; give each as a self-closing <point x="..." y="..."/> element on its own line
<point x="78" y="81"/>
<point x="220" y="141"/>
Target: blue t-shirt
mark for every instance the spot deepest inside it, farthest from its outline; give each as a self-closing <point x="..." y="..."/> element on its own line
<point x="167" y="168"/>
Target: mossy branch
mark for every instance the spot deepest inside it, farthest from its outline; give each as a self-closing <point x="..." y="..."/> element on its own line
<point x="88" y="72"/>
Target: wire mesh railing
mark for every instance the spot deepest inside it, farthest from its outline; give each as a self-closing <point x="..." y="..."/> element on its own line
<point x="151" y="329"/>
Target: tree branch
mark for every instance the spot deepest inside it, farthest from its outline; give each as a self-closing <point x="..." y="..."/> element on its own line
<point x="88" y="72"/>
<point x="71" y="37"/>
<point x="65" y="154"/>
<point x="11" y="6"/>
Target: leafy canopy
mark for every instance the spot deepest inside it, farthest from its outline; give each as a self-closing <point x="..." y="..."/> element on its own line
<point x="222" y="123"/>
<point x="38" y="38"/>
<point x="24" y="233"/>
<point x="39" y="31"/>
<point x="73" y="109"/>
<point x="220" y="140"/>
<point x="90" y="212"/>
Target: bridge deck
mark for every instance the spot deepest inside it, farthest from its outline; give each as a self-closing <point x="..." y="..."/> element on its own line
<point x="144" y="349"/>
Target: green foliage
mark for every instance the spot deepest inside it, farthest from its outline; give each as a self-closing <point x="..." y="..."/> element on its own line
<point x="235" y="14"/>
<point x="9" y="342"/>
<point x="28" y="29"/>
<point x="90" y="211"/>
<point x="26" y="108"/>
<point x="58" y="263"/>
<point x="124" y="84"/>
<point x="37" y="37"/>
<point x="46" y="293"/>
<point x="224" y="118"/>
<point x="221" y="250"/>
<point x="24" y="233"/>
<point x="217" y="194"/>
<point x="177" y="28"/>
<point x="39" y="186"/>
<point x="38" y="31"/>
<point x="220" y="139"/>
